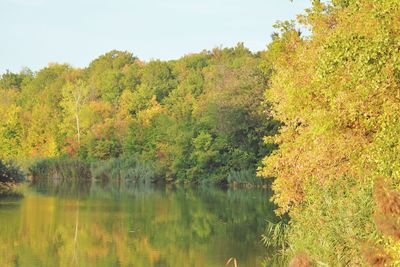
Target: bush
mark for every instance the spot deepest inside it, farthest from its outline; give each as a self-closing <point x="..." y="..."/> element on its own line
<point x="10" y="175"/>
<point x="337" y="95"/>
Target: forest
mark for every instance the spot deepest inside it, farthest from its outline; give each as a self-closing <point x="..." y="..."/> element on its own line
<point x="316" y="116"/>
<point x="198" y="119"/>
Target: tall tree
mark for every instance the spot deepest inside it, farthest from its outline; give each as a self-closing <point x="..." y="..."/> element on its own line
<point x="75" y="95"/>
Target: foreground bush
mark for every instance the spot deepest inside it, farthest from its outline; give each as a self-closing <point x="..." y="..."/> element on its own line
<point x="10" y="176"/>
<point x="338" y="94"/>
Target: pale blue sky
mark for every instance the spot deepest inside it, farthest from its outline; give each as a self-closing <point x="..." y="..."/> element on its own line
<point x="36" y="32"/>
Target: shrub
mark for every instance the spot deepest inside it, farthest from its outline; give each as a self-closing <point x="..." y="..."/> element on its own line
<point x="337" y="94"/>
<point x="10" y="175"/>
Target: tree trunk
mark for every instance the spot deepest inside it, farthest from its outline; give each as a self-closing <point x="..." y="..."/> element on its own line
<point x="78" y="130"/>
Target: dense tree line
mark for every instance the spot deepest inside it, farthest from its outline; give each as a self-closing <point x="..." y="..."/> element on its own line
<point x="200" y="118"/>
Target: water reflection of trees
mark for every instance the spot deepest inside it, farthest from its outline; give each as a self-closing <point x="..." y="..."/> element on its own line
<point x="133" y="225"/>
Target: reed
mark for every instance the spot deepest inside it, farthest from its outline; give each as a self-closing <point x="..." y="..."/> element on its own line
<point x="123" y="169"/>
<point x="275" y="239"/>
<point x="59" y="169"/>
<point x="246" y="178"/>
<point x="233" y="260"/>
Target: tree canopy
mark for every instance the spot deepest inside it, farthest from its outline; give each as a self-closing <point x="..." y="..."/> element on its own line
<point x="193" y="118"/>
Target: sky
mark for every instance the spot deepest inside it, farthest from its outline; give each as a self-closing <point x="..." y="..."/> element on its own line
<point x="37" y="32"/>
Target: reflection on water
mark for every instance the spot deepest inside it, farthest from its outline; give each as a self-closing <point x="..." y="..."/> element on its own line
<point x="127" y="225"/>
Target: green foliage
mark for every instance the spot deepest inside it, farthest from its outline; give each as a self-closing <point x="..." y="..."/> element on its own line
<point x="247" y="178"/>
<point x="10" y="131"/>
<point x="123" y="169"/>
<point x="104" y="149"/>
<point x="201" y="128"/>
<point x="11" y="80"/>
<point x="193" y="119"/>
<point x="10" y="175"/>
<point x="275" y="239"/>
<point x="59" y="169"/>
<point x="335" y="222"/>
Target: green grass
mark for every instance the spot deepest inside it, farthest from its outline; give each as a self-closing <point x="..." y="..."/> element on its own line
<point x="246" y="178"/>
<point x="123" y="169"/>
<point x="59" y="168"/>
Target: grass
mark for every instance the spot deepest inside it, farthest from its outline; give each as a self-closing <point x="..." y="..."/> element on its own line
<point x="275" y="239"/>
<point x="114" y="169"/>
<point x="59" y="169"/>
<point x="246" y="178"/>
<point x="123" y="169"/>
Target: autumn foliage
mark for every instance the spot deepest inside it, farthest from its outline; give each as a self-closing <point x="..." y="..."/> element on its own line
<point x="337" y="92"/>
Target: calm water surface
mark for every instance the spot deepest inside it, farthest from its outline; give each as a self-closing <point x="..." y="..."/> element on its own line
<point x="94" y="225"/>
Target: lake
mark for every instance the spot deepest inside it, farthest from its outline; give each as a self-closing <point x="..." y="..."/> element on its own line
<point x="89" y="224"/>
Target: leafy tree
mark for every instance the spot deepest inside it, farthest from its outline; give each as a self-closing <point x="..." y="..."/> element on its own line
<point x="336" y="93"/>
<point x="107" y="74"/>
<point x="10" y="80"/>
<point x="75" y="96"/>
<point x="10" y="132"/>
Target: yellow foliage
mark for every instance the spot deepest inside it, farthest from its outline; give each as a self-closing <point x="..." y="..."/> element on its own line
<point x="145" y="116"/>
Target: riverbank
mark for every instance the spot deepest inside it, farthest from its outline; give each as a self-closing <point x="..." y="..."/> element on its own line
<point x="128" y="170"/>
